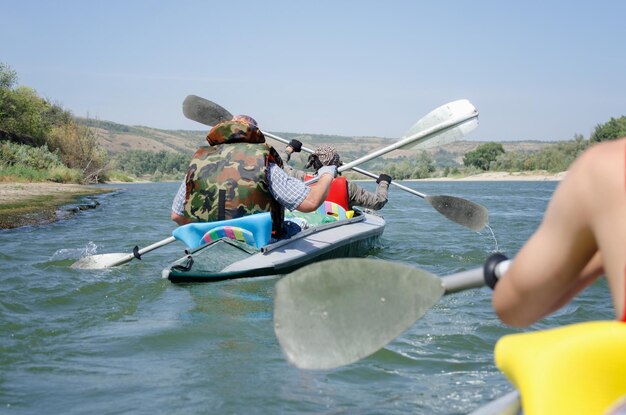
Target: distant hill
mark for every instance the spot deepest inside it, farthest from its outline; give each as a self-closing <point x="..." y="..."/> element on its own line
<point x="116" y="138"/>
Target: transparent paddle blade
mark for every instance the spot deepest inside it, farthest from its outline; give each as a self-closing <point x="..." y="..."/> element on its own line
<point x="336" y="312"/>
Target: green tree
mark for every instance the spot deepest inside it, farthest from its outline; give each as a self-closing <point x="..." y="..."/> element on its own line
<point x="423" y="167"/>
<point x="554" y="158"/>
<point x="23" y="112"/>
<point x="483" y="155"/>
<point x="612" y="129"/>
<point x="140" y="162"/>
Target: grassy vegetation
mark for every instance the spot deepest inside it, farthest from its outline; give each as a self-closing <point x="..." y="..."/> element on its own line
<point x="21" y="162"/>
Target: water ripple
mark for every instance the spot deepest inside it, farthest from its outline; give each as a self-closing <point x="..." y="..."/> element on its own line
<point x="123" y="340"/>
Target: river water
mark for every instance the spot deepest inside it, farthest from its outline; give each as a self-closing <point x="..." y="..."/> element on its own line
<point x="124" y="340"/>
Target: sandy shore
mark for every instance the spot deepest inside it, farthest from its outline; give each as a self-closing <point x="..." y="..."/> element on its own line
<point x="505" y="176"/>
<point x="16" y="192"/>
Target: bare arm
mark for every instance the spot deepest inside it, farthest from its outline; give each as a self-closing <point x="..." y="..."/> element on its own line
<point x="294" y="194"/>
<point x="587" y="214"/>
<point x="317" y="195"/>
<point x="179" y="219"/>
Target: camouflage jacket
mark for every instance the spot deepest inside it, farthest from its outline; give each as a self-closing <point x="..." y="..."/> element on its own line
<point x="228" y="179"/>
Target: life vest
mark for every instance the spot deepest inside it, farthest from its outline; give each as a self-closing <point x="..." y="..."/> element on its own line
<point x="338" y="191"/>
<point x="228" y="179"/>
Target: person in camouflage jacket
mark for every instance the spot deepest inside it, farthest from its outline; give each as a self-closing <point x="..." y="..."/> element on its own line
<point x="237" y="175"/>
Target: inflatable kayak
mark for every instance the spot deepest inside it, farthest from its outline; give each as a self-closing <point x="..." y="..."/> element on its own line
<point x="576" y="369"/>
<point x="242" y="247"/>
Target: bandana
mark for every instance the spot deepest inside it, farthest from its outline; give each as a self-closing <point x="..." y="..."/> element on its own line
<point x="327" y="155"/>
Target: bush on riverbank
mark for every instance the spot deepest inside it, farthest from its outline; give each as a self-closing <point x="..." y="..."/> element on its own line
<point x="20" y="162"/>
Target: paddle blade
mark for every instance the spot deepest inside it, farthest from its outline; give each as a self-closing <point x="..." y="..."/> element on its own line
<point x="452" y="110"/>
<point x="450" y="136"/>
<point x="204" y="111"/>
<point x="335" y="312"/>
<point x="102" y="261"/>
<point x="466" y="213"/>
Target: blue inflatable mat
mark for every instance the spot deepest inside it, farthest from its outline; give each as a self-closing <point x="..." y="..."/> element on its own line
<point x="260" y="225"/>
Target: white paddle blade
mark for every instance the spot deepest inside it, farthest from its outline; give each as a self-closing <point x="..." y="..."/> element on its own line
<point x="450" y="136"/>
<point x="453" y="110"/>
<point x="102" y="261"/>
<point x="336" y="312"/>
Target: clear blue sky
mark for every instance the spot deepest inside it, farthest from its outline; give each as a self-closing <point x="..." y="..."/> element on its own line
<point x="541" y="70"/>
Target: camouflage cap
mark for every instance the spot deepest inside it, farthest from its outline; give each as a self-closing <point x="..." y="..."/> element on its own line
<point x="327" y="155"/>
<point x="235" y="132"/>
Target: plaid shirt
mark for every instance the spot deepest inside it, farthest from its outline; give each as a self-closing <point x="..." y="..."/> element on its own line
<point x="288" y="191"/>
<point x="178" y="205"/>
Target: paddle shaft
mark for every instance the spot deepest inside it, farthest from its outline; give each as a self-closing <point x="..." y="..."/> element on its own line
<point x="458" y="210"/>
<point x="142" y="251"/>
<point x="474" y="278"/>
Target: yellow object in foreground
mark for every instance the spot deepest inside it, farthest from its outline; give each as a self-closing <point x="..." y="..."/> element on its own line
<point x="576" y="369"/>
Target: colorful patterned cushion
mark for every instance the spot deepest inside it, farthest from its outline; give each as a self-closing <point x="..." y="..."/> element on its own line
<point x="233" y="232"/>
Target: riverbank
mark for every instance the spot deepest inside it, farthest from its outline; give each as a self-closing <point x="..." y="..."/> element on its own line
<point x="27" y="204"/>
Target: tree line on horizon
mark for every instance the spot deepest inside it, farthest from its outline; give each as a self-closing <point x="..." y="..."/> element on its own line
<point x="39" y="141"/>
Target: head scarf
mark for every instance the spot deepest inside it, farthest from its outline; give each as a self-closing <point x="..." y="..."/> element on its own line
<point x="327" y="155"/>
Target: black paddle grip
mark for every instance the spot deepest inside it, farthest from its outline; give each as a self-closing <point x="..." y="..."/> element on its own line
<point x="489" y="270"/>
<point x="136" y="252"/>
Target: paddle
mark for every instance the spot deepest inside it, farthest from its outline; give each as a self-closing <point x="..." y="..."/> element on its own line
<point x="333" y="313"/>
<point x="461" y="211"/>
<point x="458" y="210"/>
<point x="114" y="259"/>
